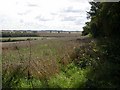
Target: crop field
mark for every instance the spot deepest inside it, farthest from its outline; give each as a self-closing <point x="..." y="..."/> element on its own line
<point x="14" y="39"/>
<point x="62" y="34"/>
<point x="41" y="35"/>
<point x="35" y="59"/>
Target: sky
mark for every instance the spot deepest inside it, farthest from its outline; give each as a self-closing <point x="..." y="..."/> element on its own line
<point x="68" y="15"/>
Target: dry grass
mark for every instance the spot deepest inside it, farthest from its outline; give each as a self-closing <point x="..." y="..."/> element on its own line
<point x="45" y="59"/>
<point x="63" y="34"/>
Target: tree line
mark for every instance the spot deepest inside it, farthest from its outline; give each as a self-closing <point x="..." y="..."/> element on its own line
<point x="105" y="17"/>
<point x="18" y="34"/>
<point x="104" y="27"/>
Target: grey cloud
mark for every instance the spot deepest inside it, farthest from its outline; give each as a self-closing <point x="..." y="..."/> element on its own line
<point x="41" y="18"/>
<point x="32" y="25"/>
<point x="69" y="18"/>
<point x="1" y="20"/>
<point x="80" y="21"/>
<point x="24" y="13"/>
<point x="21" y="21"/>
<point x="32" y="5"/>
<point x="81" y="1"/>
<point x="72" y="10"/>
<point x="54" y="13"/>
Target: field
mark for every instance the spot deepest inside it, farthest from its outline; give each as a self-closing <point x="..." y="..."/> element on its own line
<point x="38" y="36"/>
<point x="56" y="62"/>
<point x="14" y="39"/>
<point x="36" y="60"/>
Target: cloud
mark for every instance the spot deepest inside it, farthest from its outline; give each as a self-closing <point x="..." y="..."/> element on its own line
<point x="54" y="13"/>
<point x="41" y="18"/>
<point x="24" y="13"/>
<point x="69" y="18"/>
<point x="43" y="14"/>
<point x="79" y="22"/>
<point x="32" y="5"/>
<point x="21" y="21"/>
<point x="2" y="19"/>
<point x="82" y="1"/>
<point x="71" y="10"/>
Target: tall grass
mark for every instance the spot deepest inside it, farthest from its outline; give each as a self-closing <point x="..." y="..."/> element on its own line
<point x="60" y="63"/>
<point x="33" y="66"/>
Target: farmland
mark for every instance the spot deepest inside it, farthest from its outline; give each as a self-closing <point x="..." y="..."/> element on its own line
<point x="14" y="39"/>
<point x="13" y="36"/>
<point x="35" y="61"/>
<point x="56" y="58"/>
<point x="71" y="61"/>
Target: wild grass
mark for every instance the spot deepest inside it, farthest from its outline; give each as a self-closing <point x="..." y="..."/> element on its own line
<point x="35" y="62"/>
<point x="59" y="63"/>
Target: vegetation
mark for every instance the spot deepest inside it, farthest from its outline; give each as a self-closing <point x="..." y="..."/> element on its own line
<point x="18" y="34"/>
<point x="84" y="62"/>
<point x="43" y="60"/>
<point x="104" y="20"/>
<point x="104" y="27"/>
<point x="25" y="33"/>
<point x="14" y="39"/>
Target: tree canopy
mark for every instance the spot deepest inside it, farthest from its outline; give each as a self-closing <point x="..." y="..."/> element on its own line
<point x="105" y="17"/>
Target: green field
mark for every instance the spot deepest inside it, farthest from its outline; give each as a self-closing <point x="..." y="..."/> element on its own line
<point x="13" y="39"/>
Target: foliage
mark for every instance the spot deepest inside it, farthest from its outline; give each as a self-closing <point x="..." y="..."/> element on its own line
<point x="19" y="34"/>
<point x="71" y="77"/>
<point x="95" y="64"/>
<point x="86" y="29"/>
<point x="104" y="26"/>
<point x="104" y="19"/>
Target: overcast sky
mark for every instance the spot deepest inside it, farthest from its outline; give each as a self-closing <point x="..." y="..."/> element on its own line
<point x="43" y="14"/>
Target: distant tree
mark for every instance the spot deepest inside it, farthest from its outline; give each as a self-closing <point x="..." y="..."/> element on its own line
<point x="58" y="31"/>
<point x="18" y="34"/>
